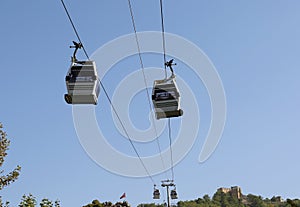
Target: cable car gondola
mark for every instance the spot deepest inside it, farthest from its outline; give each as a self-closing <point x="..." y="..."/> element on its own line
<point x="82" y="81"/>
<point x="174" y="194"/>
<point x="156" y="194"/>
<point x="166" y="96"/>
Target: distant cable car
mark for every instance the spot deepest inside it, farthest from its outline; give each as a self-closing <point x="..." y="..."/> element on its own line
<point x="156" y="193"/>
<point x="166" y="97"/>
<point x="82" y="81"/>
<point x="174" y="194"/>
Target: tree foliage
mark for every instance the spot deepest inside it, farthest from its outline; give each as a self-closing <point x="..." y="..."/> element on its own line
<point x="28" y="201"/>
<point x="97" y="203"/>
<point x="150" y="205"/>
<point x="221" y="199"/>
<point x="7" y="179"/>
<point x="48" y="203"/>
<point x="2" y="204"/>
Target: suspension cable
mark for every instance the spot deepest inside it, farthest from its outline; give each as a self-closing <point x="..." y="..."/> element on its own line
<point x="74" y="28"/>
<point x="145" y="81"/>
<point x="165" y="65"/>
<point x="163" y="36"/>
<point x="109" y="100"/>
<point x="124" y="129"/>
<point x="170" y="143"/>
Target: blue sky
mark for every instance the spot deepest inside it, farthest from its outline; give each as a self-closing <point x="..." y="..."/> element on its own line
<point x="254" y="46"/>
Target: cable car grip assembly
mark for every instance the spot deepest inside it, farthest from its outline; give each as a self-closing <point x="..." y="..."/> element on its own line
<point x="76" y="46"/>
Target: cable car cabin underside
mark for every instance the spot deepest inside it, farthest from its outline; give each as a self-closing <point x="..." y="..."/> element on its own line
<point x="166" y="99"/>
<point x="82" y="82"/>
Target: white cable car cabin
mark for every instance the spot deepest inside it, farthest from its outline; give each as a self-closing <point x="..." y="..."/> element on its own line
<point x="166" y="98"/>
<point x="83" y="84"/>
<point x="174" y="194"/>
<point x="82" y="81"/>
<point x="156" y="194"/>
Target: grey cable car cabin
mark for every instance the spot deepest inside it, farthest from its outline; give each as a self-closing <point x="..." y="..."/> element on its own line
<point x="156" y="194"/>
<point x="174" y="194"/>
<point x="83" y="84"/>
<point x="166" y="97"/>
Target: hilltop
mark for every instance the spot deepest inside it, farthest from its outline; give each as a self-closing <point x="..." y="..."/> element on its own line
<point x="223" y="197"/>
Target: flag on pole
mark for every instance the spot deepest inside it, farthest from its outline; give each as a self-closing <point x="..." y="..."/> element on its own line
<point x="123" y="196"/>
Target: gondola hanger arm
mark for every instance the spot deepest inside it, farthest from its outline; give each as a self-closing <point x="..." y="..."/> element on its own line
<point x="76" y="46"/>
<point x="169" y="64"/>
